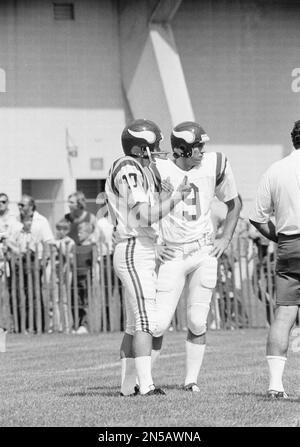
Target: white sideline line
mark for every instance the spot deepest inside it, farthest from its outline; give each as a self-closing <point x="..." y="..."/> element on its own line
<point x="91" y="368"/>
<point x="111" y="365"/>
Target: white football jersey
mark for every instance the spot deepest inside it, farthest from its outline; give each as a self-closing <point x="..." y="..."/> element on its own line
<point x="190" y="220"/>
<point x="127" y="185"/>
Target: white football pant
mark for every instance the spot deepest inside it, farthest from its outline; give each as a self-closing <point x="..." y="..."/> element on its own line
<point x="194" y="267"/>
<point x="134" y="263"/>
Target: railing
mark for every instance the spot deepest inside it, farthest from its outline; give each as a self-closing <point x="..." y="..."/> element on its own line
<point x="50" y="292"/>
<point x="245" y="293"/>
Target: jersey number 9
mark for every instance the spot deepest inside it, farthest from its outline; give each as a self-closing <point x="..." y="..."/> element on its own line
<point x="193" y="204"/>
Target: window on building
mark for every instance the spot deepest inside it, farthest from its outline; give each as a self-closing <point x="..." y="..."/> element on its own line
<point x="63" y="11"/>
<point x="91" y="189"/>
<point x="49" y="198"/>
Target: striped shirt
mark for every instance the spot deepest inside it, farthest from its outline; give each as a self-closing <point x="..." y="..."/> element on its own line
<point x="278" y="194"/>
<point x="127" y="185"/>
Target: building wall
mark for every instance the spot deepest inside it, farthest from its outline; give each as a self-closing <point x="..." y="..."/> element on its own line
<point x="238" y="57"/>
<point x="60" y="75"/>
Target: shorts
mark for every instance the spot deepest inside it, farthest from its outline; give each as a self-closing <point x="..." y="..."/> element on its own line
<point x="288" y="270"/>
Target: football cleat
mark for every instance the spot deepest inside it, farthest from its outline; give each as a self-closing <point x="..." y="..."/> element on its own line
<point x="155" y="391"/>
<point x="193" y="387"/>
<point x="273" y="394"/>
<point x="135" y="393"/>
<point x="136" y="390"/>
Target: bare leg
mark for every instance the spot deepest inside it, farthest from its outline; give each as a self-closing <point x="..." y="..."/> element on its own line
<point x="278" y="337"/>
<point x="278" y="343"/>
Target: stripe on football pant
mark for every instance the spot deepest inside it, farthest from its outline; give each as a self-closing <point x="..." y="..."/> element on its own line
<point x="136" y="283"/>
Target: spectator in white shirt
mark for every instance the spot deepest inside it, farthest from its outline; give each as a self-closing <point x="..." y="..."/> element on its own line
<point x="8" y="223"/>
<point x="40" y="228"/>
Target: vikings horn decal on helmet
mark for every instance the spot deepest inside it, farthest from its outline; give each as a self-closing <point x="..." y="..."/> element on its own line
<point x="295" y="134"/>
<point x="142" y="135"/>
<point x="186" y="136"/>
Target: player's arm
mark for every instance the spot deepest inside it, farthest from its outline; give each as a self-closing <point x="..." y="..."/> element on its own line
<point x="149" y="214"/>
<point x="266" y="229"/>
<point x="131" y="185"/>
<point x="260" y="216"/>
<point x="233" y="212"/>
<point x="226" y="191"/>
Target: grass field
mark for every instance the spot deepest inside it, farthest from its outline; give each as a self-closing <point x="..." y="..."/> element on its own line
<point x="61" y="380"/>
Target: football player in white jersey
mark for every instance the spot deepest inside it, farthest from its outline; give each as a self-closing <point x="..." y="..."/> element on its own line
<point x="130" y="191"/>
<point x="188" y="230"/>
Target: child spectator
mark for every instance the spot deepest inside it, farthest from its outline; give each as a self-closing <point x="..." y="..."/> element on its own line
<point x="64" y="254"/>
<point x="84" y="259"/>
<point x="62" y="240"/>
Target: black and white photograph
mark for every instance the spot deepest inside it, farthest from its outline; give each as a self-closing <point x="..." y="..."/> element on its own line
<point x="149" y="219"/>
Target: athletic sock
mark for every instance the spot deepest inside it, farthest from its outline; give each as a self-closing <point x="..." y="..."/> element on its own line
<point x="154" y="356"/>
<point x="128" y="375"/>
<point x="143" y="370"/>
<point x="276" y="367"/>
<point x="194" y="358"/>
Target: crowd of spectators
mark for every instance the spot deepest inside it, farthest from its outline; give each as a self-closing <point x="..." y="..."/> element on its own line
<point x="76" y="233"/>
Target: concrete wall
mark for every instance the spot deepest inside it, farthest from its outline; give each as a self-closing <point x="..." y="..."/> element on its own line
<point x="237" y="59"/>
<point x="59" y="75"/>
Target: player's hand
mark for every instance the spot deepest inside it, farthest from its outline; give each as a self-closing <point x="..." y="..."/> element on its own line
<point x="184" y="188"/>
<point x="167" y="188"/>
<point x="164" y="253"/>
<point x="220" y="245"/>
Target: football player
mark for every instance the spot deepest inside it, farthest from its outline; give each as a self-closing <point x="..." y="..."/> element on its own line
<point x="130" y="191"/>
<point x="188" y="231"/>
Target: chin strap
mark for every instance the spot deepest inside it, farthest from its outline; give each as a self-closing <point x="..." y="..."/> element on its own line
<point x="149" y="155"/>
<point x="145" y="153"/>
<point x="155" y="154"/>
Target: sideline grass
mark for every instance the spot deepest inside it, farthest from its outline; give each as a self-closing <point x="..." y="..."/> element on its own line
<point x="61" y="380"/>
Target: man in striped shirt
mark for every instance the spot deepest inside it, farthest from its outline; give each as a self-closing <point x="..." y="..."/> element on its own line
<point x="279" y="194"/>
<point x="130" y="190"/>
